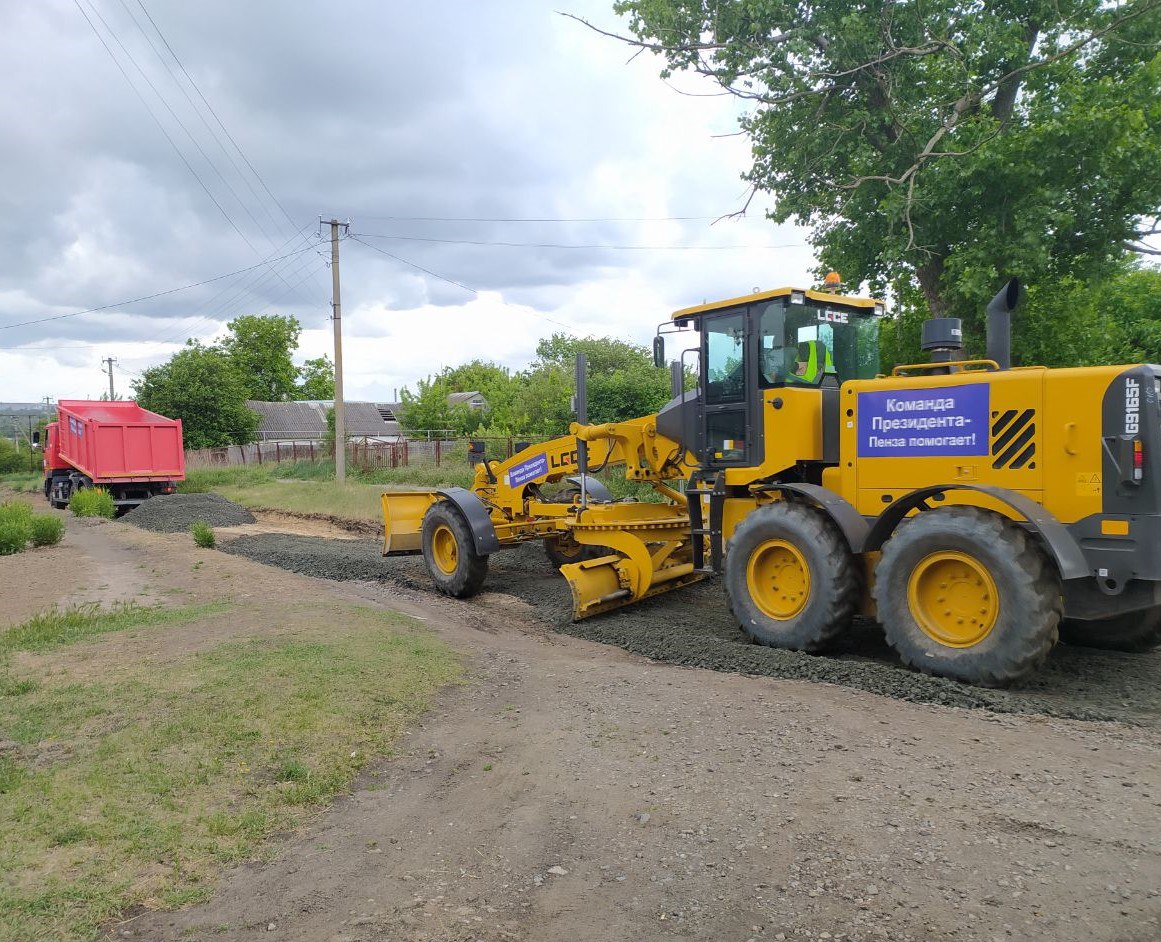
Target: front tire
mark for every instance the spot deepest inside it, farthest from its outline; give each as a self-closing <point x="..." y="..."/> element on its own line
<point x="791" y="578"/>
<point x="1134" y="632"/>
<point x="449" y="551"/>
<point x="965" y="593"/>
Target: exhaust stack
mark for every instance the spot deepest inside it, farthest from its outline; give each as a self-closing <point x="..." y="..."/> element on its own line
<point x="1000" y="323"/>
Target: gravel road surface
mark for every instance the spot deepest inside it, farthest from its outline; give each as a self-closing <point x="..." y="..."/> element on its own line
<point x="693" y="627"/>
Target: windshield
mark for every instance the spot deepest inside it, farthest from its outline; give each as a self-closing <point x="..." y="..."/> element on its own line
<point x="800" y="344"/>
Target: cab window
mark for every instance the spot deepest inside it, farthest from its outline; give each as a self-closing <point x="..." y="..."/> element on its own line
<point x="725" y="358"/>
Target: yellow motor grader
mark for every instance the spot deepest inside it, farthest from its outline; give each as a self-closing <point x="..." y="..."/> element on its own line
<point x="976" y="510"/>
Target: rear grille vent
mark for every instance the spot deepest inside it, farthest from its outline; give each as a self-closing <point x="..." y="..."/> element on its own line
<point x="1013" y="439"/>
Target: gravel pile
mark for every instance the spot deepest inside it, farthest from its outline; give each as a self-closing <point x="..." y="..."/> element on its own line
<point x="176" y="513"/>
<point x="693" y="627"/>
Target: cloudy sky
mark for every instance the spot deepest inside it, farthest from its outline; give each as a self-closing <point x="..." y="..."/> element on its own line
<point x="439" y="129"/>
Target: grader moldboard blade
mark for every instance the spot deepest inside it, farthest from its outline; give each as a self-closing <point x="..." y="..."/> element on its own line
<point x="650" y="554"/>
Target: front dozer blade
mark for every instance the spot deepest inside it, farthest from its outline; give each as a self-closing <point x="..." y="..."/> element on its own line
<point x="601" y="585"/>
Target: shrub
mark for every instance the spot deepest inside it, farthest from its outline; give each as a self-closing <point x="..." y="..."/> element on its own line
<point x="92" y="502"/>
<point x="15" y="510"/>
<point x="47" y="530"/>
<point x="13" y="537"/>
<point x="203" y="535"/>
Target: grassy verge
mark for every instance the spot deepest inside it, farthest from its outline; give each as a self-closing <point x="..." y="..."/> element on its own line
<point x="350" y="501"/>
<point x="23" y="482"/>
<point x="308" y="487"/>
<point x="134" y="788"/>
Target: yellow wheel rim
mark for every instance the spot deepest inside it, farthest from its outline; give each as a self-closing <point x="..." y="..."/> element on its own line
<point x="778" y="578"/>
<point x="953" y="599"/>
<point x="444" y="549"/>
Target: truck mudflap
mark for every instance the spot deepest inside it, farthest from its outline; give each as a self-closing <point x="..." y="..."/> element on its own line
<point x="403" y="513"/>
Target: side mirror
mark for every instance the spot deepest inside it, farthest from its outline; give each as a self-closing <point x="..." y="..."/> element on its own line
<point x="35" y="439"/>
<point x="659" y="352"/>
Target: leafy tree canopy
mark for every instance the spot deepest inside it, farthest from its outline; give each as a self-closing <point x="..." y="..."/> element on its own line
<point x="940" y="147"/>
<point x="623" y="384"/>
<point x="202" y="387"/>
<point x="261" y="347"/>
<point x="318" y="379"/>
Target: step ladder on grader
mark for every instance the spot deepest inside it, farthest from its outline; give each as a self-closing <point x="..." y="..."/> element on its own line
<point x="976" y="510"/>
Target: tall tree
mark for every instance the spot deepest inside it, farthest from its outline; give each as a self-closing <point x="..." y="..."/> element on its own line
<point x="318" y="379"/>
<point x="944" y="145"/>
<point x="261" y="347"/>
<point x="202" y="387"/>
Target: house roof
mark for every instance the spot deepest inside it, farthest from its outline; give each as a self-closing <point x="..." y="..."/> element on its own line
<point x="454" y="399"/>
<point x="309" y="419"/>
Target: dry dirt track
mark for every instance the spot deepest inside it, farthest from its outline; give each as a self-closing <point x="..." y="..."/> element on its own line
<point x="573" y="791"/>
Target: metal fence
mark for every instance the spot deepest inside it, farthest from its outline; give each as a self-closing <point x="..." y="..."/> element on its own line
<point x="366" y="454"/>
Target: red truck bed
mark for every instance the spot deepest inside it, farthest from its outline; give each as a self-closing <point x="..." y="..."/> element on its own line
<point x="120" y="441"/>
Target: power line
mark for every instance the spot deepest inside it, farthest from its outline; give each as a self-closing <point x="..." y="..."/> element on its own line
<point x="206" y="125"/>
<point x="575" y="245"/>
<point x="540" y="219"/>
<point x="450" y="281"/>
<point x="149" y="297"/>
<point x="157" y="120"/>
<point x="220" y="123"/>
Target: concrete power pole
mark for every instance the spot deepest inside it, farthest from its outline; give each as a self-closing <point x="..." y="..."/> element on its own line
<point x="337" y="318"/>
<point x="109" y="361"/>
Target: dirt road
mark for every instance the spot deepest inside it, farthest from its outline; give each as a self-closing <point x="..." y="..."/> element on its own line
<point x="572" y="790"/>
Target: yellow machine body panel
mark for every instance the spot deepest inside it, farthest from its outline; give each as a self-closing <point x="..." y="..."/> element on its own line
<point x="1034" y="431"/>
<point x="792" y="432"/>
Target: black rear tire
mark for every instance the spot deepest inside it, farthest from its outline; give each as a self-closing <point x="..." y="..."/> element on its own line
<point x="449" y="551"/>
<point x="773" y="601"/>
<point x="1134" y="632"/>
<point x="988" y="563"/>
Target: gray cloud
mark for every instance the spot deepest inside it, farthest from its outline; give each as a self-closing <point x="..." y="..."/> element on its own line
<point x="362" y="109"/>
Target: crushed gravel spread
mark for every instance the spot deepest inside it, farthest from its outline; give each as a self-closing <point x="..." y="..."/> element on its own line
<point x="693" y="627"/>
<point x="176" y="513"/>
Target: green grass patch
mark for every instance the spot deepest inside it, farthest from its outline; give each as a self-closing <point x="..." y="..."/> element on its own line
<point x="92" y="502"/>
<point x="24" y="482"/>
<point x="203" y="535"/>
<point x="15" y="527"/>
<point x="61" y="626"/>
<point x="46" y="530"/>
<point x="135" y="788"/>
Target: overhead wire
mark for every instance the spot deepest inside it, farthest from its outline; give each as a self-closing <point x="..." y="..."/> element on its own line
<point x="545" y="219"/>
<point x="451" y="281"/>
<point x="221" y="124"/>
<point x="173" y="144"/>
<point x="575" y="245"/>
<point x="146" y="297"/>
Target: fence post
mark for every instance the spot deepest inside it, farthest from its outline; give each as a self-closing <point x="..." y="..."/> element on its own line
<point x="405" y="453"/>
<point x="312" y="451"/>
<point x="278" y="452"/>
<point x="437" y="451"/>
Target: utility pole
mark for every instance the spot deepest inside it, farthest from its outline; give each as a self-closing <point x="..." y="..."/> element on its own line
<point x="337" y="318"/>
<point x="109" y="361"/>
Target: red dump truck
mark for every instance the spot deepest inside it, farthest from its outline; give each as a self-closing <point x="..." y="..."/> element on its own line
<point x="131" y="452"/>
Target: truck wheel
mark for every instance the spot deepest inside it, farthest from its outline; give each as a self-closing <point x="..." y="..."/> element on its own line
<point x="965" y="593"/>
<point x="790" y="577"/>
<point x="1134" y="631"/>
<point x="565" y="549"/>
<point x="449" y="551"/>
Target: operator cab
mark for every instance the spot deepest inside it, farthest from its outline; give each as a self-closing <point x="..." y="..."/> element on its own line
<point x="786" y="338"/>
